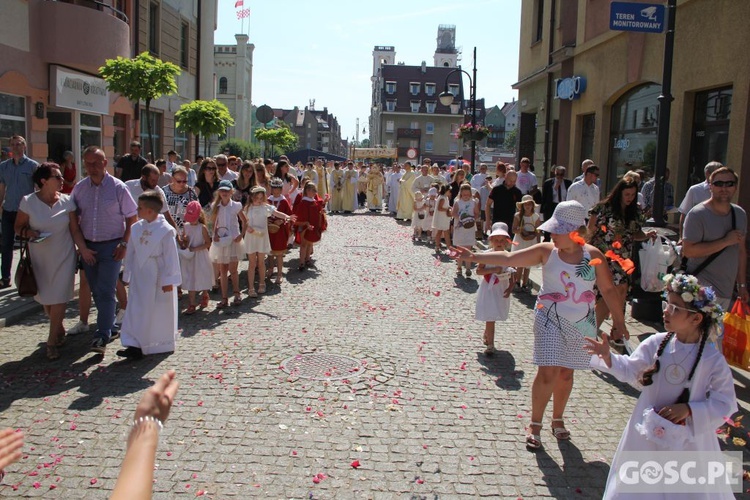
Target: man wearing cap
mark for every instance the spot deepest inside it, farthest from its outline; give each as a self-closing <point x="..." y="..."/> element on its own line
<point x="501" y="204"/>
<point x="585" y="191"/>
<point x="15" y="183"/>
<point x="148" y="182"/>
<point x="129" y="167"/>
<point x="106" y="210"/>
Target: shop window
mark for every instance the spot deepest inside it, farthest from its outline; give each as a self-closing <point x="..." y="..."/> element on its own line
<point x="91" y="130"/>
<point x="710" y="136"/>
<point x="156" y="130"/>
<point x="120" y="125"/>
<point x="12" y="117"/>
<point x="632" y="140"/>
<point x="180" y="143"/>
<point x="223" y="84"/>
<point x="588" y="131"/>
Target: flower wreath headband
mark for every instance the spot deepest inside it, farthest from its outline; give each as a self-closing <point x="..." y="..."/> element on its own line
<point x="700" y="298"/>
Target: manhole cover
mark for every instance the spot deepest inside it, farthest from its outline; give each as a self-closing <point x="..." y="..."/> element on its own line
<point x="322" y="366"/>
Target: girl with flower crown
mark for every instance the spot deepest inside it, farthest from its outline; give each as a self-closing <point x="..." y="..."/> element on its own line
<point x="687" y="386"/>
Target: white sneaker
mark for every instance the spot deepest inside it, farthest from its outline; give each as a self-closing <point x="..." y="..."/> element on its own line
<point x="120" y="315"/>
<point x="78" y="328"/>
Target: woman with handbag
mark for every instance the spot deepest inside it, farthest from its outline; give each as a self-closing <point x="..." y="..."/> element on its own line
<point x="47" y="218"/>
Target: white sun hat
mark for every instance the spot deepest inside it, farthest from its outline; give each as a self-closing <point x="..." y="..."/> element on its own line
<point x="499" y="229"/>
<point x="569" y="216"/>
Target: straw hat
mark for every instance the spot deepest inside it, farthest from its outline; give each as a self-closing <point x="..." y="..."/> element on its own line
<point x="526" y="198"/>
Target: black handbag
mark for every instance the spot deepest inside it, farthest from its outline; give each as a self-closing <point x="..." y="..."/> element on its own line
<point x="24" y="278"/>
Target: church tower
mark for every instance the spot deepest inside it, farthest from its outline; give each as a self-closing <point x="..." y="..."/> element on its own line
<point x="446" y="54"/>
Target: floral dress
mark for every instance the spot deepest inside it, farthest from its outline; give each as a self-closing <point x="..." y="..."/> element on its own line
<point x="612" y="233"/>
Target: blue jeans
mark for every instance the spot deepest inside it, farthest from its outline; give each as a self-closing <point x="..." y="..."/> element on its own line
<point x="9" y="236"/>
<point x="102" y="278"/>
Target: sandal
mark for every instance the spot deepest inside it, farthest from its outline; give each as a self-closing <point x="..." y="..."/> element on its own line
<point x="262" y="288"/>
<point x="224" y="303"/>
<point x="534" y="441"/>
<point x="560" y="433"/>
<point x="52" y="353"/>
<point x="204" y="299"/>
<point x="237" y="300"/>
<point x="278" y="280"/>
<point x="190" y="310"/>
<point x="252" y="293"/>
<point x="60" y="340"/>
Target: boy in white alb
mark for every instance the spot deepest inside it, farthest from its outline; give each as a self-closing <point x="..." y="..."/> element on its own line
<point x="152" y="267"/>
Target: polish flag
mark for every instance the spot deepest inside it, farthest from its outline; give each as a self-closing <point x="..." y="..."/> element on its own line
<point x="239" y="3"/>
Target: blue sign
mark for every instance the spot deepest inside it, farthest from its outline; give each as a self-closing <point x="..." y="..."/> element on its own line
<point x="643" y="17"/>
<point x="570" y="88"/>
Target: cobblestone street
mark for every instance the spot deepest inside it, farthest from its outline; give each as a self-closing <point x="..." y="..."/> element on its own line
<point x="372" y="356"/>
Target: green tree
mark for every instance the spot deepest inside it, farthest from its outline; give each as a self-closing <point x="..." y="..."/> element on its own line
<point x="204" y="118"/>
<point x="365" y="143"/>
<point x="142" y="78"/>
<point x="280" y="138"/>
<point x="510" y="140"/>
<point x="243" y="149"/>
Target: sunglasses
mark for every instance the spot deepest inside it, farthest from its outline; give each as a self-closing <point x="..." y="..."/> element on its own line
<point x="210" y="168"/>
<point x="671" y="308"/>
<point x="721" y="184"/>
<point x="595" y="174"/>
<point x="221" y="164"/>
<point x="179" y="182"/>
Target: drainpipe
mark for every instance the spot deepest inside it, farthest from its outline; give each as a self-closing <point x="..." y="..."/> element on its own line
<point x="550" y="83"/>
<point x="198" y="68"/>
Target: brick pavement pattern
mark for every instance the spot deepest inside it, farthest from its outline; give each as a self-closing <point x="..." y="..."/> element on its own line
<point x="421" y="409"/>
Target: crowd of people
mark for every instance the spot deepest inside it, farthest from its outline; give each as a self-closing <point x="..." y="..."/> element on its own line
<point x="165" y="228"/>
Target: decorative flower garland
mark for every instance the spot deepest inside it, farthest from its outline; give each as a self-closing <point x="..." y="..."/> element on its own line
<point x="701" y="298"/>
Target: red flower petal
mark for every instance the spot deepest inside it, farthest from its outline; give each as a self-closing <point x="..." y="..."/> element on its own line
<point x="355" y="464"/>
<point x="595" y="262"/>
<point x="93" y="481"/>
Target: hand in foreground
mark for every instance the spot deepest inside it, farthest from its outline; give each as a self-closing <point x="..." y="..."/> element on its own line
<point x="10" y="447"/>
<point x="460" y="253"/>
<point x="157" y="399"/>
<point x="676" y="413"/>
<point x="601" y="349"/>
<point x="88" y="256"/>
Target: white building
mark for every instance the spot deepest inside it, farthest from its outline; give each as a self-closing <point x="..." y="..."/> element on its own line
<point x="233" y="68"/>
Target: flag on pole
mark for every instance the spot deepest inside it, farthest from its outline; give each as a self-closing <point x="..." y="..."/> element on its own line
<point x="241" y="14"/>
<point x="239" y="3"/>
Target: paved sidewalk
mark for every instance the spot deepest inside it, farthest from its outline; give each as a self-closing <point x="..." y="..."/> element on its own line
<point x="362" y="377"/>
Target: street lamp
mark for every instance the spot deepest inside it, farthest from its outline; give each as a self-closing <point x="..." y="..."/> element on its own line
<point x="446" y="99"/>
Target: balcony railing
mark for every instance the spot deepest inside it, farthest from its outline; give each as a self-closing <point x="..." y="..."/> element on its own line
<point x="102" y="6"/>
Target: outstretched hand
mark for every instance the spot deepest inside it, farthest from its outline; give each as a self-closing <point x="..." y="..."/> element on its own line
<point x="460" y="253"/>
<point x="157" y="400"/>
<point x="10" y="447"/>
<point x="601" y="349"/>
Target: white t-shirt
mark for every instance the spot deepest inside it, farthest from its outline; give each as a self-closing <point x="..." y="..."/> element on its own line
<point x="135" y="188"/>
<point x="586" y="195"/>
<point x="697" y="193"/>
<point x="477" y="180"/>
<point x="526" y="180"/>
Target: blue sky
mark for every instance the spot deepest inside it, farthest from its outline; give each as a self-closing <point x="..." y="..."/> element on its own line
<point x="323" y="50"/>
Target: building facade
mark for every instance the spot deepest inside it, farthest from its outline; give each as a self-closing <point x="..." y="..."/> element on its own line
<point x="233" y="67"/>
<point x="588" y="92"/>
<point x="51" y="52"/>
<point x="318" y="130"/>
<point x="406" y="113"/>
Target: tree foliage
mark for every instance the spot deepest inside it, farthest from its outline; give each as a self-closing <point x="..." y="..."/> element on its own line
<point x="243" y="149"/>
<point x="204" y="118"/>
<point x="510" y="140"/>
<point x="142" y="78"/>
<point x="281" y="138"/>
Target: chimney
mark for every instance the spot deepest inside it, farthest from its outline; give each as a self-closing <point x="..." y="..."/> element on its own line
<point x="424" y="67"/>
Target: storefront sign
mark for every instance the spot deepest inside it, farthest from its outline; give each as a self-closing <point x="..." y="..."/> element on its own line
<point x="570" y="88"/>
<point x="630" y="16"/>
<point x="375" y="153"/>
<point x="73" y="90"/>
